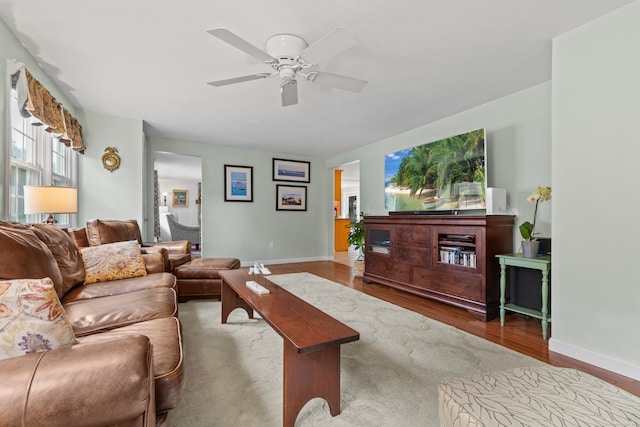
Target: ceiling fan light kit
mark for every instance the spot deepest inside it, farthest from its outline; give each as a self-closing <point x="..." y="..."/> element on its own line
<point x="289" y="55"/>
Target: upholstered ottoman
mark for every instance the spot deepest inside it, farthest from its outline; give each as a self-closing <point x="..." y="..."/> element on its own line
<point x="199" y="277"/>
<point x="540" y="397"/>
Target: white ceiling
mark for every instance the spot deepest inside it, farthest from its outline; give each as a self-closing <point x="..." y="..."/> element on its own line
<point x="423" y="59"/>
<point x="177" y="167"/>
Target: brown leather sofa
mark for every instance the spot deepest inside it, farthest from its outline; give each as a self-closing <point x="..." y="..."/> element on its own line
<point x="126" y="369"/>
<point x="100" y="232"/>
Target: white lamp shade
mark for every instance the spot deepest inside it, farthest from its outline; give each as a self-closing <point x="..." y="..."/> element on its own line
<point x="50" y="199"/>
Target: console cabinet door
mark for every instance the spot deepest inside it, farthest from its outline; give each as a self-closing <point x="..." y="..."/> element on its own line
<point x="412" y="244"/>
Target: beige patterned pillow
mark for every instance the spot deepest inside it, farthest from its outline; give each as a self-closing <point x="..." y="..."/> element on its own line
<point x="113" y="261"/>
<point x="31" y="318"/>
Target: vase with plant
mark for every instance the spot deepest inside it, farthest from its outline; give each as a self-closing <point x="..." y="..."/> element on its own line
<point x="356" y="235"/>
<point x="528" y="229"/>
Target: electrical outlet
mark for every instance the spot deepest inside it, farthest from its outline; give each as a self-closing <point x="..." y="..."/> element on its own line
<point x="270" y="245"/>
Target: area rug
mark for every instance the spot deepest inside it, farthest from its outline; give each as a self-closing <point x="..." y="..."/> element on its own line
<point x="389" y="377"/>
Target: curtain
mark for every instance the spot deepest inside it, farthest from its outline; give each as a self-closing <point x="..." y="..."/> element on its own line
<point x="34" y="100"/>
<point x="156" y="207"/>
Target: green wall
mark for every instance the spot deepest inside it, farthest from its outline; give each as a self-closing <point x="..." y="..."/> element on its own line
<point x="596" y="147"/>
<point x="518" y="152"/>
<point x="246" y="230"/>
<point x="117" y="194"/>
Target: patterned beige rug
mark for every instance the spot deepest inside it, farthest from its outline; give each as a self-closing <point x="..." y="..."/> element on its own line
<point x="389" y="377"/>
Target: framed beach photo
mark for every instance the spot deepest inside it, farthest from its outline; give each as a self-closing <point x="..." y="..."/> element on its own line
<point x="238" y="183"/>
<point x="180" y="198"/>
<point x="291" y="170"/>
<point x="291" y="198"/>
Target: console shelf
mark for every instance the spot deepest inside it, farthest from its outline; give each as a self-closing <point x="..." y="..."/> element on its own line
<point x="448" y="258"/>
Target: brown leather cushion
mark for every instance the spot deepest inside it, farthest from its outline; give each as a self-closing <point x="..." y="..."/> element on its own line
<point x="205" y="268"/>
<point x="98" y="314"/>
<point x="122" y="286"/>
<point x="165" y="337"/>
<point x="100" y="232"/>
<point x="24" y="256"/>
<point x="65" y="252"/>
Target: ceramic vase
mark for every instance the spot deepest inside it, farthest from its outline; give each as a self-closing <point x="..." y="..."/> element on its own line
<point x="530" y="248"/>
<point x="358" y="268"/>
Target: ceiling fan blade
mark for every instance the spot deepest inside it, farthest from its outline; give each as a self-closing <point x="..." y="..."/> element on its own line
<point x="289" y="93"/>
<point x="240" y="43"/>
<point x="329" y="45"/>
<point x="238" y="79"/>
<point x="339" y="82"/>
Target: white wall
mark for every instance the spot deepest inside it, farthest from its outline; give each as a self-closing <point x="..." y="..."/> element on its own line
<point x="117" y="194"/>
<point x="245" y="230"/>
<point x="518" y="152"/>
<point x="187" y="215"/>
<point x="596" y="147"/>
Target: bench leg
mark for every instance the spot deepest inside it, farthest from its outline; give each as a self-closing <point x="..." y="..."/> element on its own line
<point x="309" y="375"/>
<point x="230" y="301"/>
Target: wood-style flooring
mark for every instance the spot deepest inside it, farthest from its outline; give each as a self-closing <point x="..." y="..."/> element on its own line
<point x="520" y="333"/>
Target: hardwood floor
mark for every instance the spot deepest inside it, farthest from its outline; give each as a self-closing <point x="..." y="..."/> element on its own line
<point x="519" y="333"/>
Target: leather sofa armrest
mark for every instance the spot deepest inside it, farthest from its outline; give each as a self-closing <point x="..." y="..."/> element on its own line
<point x="108" y="382"/>
<point x="154" y="262"/>
<point x="174" y="247"/>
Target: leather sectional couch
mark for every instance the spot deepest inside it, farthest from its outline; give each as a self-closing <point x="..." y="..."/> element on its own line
<point x="100" y="232"/>
<point x="125" y="368"/>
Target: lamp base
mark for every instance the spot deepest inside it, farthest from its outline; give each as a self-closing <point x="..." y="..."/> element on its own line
<point x="51" y="220"/>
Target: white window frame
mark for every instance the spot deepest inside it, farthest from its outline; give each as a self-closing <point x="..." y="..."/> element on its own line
<point x="40" y="172"/>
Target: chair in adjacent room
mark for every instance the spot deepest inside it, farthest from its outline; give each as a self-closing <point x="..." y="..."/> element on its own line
<point x="184" y="232"/>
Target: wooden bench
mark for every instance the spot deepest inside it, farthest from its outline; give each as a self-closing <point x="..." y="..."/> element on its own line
<point x="311" y="337"/>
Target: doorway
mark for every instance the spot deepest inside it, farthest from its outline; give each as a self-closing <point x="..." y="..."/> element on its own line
<point x="179" y="190"/>
<point x="346" y="209"/>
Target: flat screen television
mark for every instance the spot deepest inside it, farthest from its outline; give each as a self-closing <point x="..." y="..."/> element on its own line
<point x="441" y="176"/>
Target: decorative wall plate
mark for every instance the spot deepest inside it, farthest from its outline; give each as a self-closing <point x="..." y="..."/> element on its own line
<point x="111" y="159"/>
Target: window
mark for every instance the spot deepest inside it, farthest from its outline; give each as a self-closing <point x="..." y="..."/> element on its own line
<point x="37" y="158"/>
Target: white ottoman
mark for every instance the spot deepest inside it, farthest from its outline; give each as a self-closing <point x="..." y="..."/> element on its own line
<point x="540" y="397"/>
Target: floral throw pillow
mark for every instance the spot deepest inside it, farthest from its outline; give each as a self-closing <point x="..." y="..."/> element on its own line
<point x="113" y="261"/>
<point x="31" y="318"/>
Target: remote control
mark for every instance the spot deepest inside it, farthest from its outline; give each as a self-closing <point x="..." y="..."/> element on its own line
<point x="257" y="288"/>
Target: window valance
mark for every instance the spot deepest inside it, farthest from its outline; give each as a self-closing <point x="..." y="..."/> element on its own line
<point x="36" y="101"/>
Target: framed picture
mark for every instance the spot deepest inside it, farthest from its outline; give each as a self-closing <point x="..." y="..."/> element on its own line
<point x="291" y="170"/>
<point x="238" y="183"/>
<point x="291" y="198"/>
<point x="180" y="198"/>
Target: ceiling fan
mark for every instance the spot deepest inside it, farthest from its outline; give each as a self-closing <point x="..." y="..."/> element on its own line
<point x="290" y="56"/>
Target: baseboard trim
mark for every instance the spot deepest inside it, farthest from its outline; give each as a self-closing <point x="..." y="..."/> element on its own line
<point x="285" y="261"/>
<point x="605" y="362"/>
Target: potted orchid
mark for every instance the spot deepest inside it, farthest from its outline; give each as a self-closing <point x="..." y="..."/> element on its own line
<point x="528" y="229"/>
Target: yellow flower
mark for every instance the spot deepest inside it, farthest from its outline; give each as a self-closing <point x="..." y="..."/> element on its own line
<point x="544" y="193"/>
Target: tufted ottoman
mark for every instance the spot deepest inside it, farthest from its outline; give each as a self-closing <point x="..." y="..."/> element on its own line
<point x="540" y="397"/>
<point x="199" y="277"/>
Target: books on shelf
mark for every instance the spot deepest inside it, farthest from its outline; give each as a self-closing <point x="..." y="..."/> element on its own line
<point x="380" y="249"/>
<point x="457" y="255"/>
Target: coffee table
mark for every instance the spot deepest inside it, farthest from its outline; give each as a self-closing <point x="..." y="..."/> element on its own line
<point x="311" y="338"/>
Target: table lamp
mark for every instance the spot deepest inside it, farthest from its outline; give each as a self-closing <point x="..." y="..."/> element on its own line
<point x="41" y="199"/>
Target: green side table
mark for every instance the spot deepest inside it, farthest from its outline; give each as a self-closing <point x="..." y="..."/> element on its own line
<point x="542" y="263"/>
